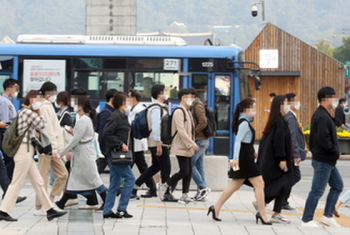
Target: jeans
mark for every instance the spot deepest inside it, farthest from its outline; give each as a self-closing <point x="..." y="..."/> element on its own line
<point x="159" y="163"/>
<point x="198" y="173"/>
<point x="345" y="197"/>
<point x="323" y="174"/>
<point x="116" y="173"/>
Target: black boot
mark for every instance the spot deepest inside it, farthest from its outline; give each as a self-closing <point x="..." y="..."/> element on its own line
<point x="51" y="214"/>
<point x="6" y="217"/>
<point x="149" y="194"/>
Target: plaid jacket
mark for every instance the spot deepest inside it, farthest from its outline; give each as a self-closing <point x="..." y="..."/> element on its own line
<point x="29" y="118"/>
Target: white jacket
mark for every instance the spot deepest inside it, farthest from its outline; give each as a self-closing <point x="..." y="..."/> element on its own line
<point x="139" y="145"/>
<point x="52" y="128"/>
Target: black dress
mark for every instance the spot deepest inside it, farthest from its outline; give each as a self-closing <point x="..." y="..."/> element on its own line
<point x="248" y="167"/>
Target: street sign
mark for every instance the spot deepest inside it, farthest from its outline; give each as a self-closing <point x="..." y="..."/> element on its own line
<point x="347" y="69"/>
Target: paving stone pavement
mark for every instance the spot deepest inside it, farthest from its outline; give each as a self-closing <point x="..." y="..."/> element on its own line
<point x="156" y="218"/>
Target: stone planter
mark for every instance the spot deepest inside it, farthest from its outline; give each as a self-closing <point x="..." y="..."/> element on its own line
<point x="344" y="145"/>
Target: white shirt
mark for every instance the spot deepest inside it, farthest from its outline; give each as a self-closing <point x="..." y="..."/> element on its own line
<point x="139" y="145"/>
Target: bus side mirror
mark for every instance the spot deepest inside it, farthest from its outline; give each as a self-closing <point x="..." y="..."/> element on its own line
<point x="257" y="82"/>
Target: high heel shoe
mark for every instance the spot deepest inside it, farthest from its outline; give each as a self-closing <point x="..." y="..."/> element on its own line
<point x="212" y="210"/>
<point x="258" y="216"/>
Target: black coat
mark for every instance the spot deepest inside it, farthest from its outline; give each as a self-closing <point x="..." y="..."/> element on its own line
<point x="273" y="148"/>
<point x="116" y="132"/>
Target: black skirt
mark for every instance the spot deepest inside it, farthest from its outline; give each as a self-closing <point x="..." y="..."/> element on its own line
<point x="247" y="166"/>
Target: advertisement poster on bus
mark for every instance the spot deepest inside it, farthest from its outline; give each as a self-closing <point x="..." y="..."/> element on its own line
<point x="37" y="72"/>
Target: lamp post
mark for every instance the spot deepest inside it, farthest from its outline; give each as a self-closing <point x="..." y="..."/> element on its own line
<point x="255" y="10"/>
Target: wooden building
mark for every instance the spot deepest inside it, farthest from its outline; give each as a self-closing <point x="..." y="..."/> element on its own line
<point x="302" y="69"/>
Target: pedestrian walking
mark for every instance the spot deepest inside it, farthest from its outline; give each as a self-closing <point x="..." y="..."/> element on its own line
<point x="29" y="117"/>
<point x="200" y="123"/>
<point x="340" y="120"/>
<point x="53" y="129"/>
<point x="343" y="199"/>
<point x="140" y="146"/>
<point x="83" y="177"/>
<point x="275" y="158"/>
<point x="118" y="136"/>
<point x="183" y="146"/>
<point x="325" y="153"/>
<point x="7" y="113"/>
<point x="243" y="164"/>
<point x="298" y="142"/>
<point x="159" y="151"/>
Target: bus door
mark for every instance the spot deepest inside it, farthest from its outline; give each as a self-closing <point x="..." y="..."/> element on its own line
<point x="215" y="91"/>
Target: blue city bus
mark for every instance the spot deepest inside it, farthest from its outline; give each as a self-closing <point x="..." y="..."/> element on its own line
<point x="214" y="71"/>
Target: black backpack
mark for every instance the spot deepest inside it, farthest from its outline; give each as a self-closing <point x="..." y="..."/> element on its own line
<point x="210" y="130"/>
<point x="166" y="136"/>
<point x="140" y="126"/>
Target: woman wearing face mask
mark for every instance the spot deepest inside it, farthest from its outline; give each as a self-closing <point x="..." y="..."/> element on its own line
<point x="275" y="158"/>
<point x="83" y="177"/>
<point x="53" y="129"/>
<point x="30" y="116"/>
<point x="117" y="134"/>
<point x="243" y="164"/>
<point x="64" y="113"/>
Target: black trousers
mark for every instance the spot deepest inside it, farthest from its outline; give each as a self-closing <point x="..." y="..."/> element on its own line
<point x="159" y="163"/>
<point x="9" y="163"/>
<point x="296" y="179"/>
<point x="4" y="179"/>
<point x="185" y="173"/>
<point x="277" y="207"/>
<point x="139" y="160"/>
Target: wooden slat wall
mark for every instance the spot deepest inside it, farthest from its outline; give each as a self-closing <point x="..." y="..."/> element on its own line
<point x="316" y="68"/>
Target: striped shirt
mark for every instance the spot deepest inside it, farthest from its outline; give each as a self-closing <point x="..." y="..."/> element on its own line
<point x="29" y="118"/>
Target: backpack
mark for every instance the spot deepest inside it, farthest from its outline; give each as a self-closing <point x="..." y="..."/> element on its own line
<point x="210" y="130"/>
<point x="11" y="140"/>
<point x="140" y="126"/>
<point x="166" y="136"/>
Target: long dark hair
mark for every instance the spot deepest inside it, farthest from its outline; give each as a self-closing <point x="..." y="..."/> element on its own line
<point x="84" y="102"/>
<point x="240" y="107"/>
<point x="275" y="113"/>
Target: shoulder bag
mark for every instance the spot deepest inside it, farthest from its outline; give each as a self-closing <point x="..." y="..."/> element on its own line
<point x="119" y="157"/>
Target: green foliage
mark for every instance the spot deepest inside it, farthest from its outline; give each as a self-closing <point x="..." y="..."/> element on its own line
<point x="324" y="47"/>
<point x="342" y="53"/>
<point x="308" y="20"/>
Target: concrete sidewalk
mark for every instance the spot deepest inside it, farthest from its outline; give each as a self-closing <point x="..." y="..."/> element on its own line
<point x="154" y="217"/>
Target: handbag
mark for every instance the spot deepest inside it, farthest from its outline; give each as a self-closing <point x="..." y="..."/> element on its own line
<point x="119" y="157"/>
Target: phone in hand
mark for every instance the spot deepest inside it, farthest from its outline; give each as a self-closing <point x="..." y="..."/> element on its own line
<point x="7" y="123"/>
<point x="235" y="168"/>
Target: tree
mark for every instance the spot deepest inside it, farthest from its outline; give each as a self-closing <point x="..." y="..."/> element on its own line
<point x="342" y="53"/>
<point x="324" y="47"/>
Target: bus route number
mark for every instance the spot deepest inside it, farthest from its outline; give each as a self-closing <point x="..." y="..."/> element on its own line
<point x="171" y="64"/>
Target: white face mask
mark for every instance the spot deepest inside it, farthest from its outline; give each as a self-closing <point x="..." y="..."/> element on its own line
<point x="52" y="98"/>
<point x="189" y="102"/>
<point x="164" y="97"/>
<point x="57" y="105"/>
<point x="127" y="109"/>
<point x="36" y="106"/>
<point x="286" y="108"/>
<point x="297" y="106"/>
<point x="271" y="100"/>
<point x="252" y="114"/>
<point x="75" y="108"/>
<point x="15" y="94"/>
<point x="334" y="104"/>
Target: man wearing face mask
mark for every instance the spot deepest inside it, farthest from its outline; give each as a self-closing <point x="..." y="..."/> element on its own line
<point x="325" y="154"/>
<point x="7" y="113"/>
<point x="340" y="115"/>
<point x="298" y="142"/>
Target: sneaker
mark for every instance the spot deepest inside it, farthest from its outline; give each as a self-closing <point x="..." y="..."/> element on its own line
<point x="310" y="224"/>
<point x="161" y="191"/>
<point x="184" y="199"/>
<point x="134" y="197"/>
<point x="255" y="204"/>
<point x="169" y="198"/>
<point x="195" y="196"/>
<point x="331" y="222"/>
<point x="39" y="212"/>
<point x="288" y="208"/>
<point x="279" y="219"/>
<point x="72" y="202"/>
<point x="203" y="193"/>
<point x="124" y="214"/>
